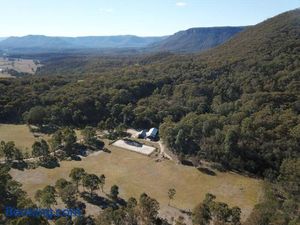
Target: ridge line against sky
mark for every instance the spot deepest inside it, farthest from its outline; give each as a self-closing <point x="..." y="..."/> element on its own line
<point x="73" y="18"/>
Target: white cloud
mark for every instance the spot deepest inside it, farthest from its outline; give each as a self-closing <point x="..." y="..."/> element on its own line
<point x="107" y="10"/>
<point x="181" y="4"/>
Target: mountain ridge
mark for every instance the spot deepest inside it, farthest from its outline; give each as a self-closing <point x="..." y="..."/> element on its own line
<point x="187" y="41"/>
<point x="262" y="39"/>
<point x="196" y="39"/>
<point x="56" y="42"/>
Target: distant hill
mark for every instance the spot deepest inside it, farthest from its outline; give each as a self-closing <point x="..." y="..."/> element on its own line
<point x="124" y="41"/>
<point x="273" y="38"/>
<point x="196" y="39"/>
<point x="55" y="43"/>
<point x="34" y="41"/>
<point x="191" y="40"/>
<point x="2" y="38"/>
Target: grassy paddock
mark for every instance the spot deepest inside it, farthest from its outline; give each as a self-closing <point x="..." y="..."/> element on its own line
<point x="20" y="65"/>
<point x="135" y="174"/>
<point x="20" y="134"/>
<point x="5" y="75"/>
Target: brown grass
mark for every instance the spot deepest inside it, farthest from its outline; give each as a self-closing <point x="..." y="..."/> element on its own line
<point x="5" y="75"/>
<point x="20" y="65"/>
<point x="20" y="134"/>
<point x="135" y="174"/>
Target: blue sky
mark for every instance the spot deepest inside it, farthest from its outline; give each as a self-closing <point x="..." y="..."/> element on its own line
<point x="138" y="17"/>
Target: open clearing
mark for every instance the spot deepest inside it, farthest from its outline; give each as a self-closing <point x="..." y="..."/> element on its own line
<point x="20" y="65"/>
<point x="23" y="137"/>
<point x="5" y="75"/>
<point x="135" y="173"/>
<point x="20" y="134"/>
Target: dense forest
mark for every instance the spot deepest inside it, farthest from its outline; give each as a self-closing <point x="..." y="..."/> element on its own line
<point x="237" y="104"/>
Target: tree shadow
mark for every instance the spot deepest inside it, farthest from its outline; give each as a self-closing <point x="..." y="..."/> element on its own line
<point x="19" y="165"/>
<point x="45" y="129"/>
<point x="121" y="202"/>
<point x="183" y="211"/>
<point x="219" y="167"/>
<point x="187" y="163"/>
<point x="75" y="158"/>
<point x="106" y="150"/>
<point x="97" y="200"/>
<point x="80" y="205"/>
<point x="187" y="212"/>
<point x="98" y="144"/>
<point x="206" y="171"/>
<point x="80" y="149"/>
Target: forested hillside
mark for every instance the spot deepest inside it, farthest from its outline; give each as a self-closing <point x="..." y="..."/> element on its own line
<point x="237" y="105"/>
<point x="196" y="39"/>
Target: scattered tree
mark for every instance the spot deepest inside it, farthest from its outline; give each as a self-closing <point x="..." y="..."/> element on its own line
<point x="77" y="175"/>
<point x="69" y="139"/>
<point x="56" y="140"/>
<point x="61" y="184"/>
<point x="171" y="194"/>
<point x="10" y="152"/>
<point x="89" y="135"/>
<point x="201" y="215"/>
<point x="68" y="195"/>
<point x="40" y="149"/>
<point x="148" y="209"/>
<point x="46" y="196"/>
<point x="91" y="181"/>
<point x="102" y="182"/>
<point x="114" y="192"/>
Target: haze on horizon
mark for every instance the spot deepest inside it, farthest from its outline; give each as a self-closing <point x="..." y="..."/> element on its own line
<point x="134" y="17"/>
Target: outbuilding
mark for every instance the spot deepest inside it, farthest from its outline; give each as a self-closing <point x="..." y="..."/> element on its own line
<point x="141" y="134"/>
<point x="152" y="133"/>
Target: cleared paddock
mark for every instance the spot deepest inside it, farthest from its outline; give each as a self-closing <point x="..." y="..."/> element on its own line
<point x="136" y="174"/>
<point x="134" y="146"/>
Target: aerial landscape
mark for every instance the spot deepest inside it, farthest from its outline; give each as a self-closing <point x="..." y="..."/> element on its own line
<point x="150" y="113"/>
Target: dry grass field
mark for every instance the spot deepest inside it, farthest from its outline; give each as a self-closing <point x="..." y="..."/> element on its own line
<point x="135" y="173"/>
<point x="20" y="65"/>
<point x="5" y="75"/>
<point x="20" y="134"/>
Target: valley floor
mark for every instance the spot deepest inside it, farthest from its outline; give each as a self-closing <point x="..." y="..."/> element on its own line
<point x="135" y="173"/>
